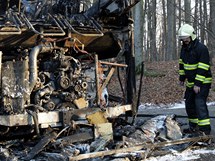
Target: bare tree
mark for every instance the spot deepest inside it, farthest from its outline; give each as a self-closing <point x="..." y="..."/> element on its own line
<point x="187" y="8"/>
<point x="202" y="21"/>
<point x="170" y="30"/>
<point x="195" y="23"/>
<point x="211" y="35"/>
<point x="149" y="11"/>
<point x="164" y="17"/>
<point x="174" y="32"/>
<point x="152" y="30"/>
<point x="138" y="33"/>
<point x="179" y="24"/>
<point x="164" y="33"/>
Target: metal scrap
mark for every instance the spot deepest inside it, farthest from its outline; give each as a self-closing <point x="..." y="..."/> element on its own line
<point x="138" y="147"/>
<point x="68" y="140"/>
<point x="39" y="146"/>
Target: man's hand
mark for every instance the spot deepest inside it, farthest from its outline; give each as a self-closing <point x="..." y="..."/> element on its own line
<point x="196" y="89"/>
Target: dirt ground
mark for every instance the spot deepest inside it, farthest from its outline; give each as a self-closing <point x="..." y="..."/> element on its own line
<point x="161" y="83"/>
<point x="165" y="88"/>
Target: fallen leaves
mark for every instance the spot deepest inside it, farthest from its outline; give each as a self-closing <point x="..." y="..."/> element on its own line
<point x="160" y="83"/>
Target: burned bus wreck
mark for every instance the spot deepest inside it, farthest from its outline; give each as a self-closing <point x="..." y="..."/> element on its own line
<point x="57" y="58"/>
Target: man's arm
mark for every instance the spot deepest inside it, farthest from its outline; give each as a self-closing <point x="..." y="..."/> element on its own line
<point x="181" y="71"/>
<point x="203" y="66"/>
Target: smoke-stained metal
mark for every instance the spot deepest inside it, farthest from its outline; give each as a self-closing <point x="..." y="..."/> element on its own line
<point x="58" y="58"/>
<point x="33" y="62"/>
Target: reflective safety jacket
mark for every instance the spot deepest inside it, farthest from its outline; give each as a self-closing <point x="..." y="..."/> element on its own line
<point x="194" y="66"/>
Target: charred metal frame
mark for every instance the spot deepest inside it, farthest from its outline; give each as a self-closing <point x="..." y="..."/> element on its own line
<point x="53" y="43"/>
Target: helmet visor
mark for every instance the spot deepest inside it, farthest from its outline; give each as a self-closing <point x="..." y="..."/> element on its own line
<point x="183" y="37"/>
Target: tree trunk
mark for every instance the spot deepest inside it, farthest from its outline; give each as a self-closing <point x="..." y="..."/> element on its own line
<point x="174" y="33"/>
<point x="179" y="24"/>
<point x="164" y="36"/>
<point x="153" y="32"/>
<point x="202" y="22"/>
<point x="205" y="17"/>
<point x="138" y="33"/>
<point x="195" y="23"/>
<point x="187" y="8"/>
<point x="170" y="29"/>
<point x="211" y="36"/>
<point x="149" y="11"/>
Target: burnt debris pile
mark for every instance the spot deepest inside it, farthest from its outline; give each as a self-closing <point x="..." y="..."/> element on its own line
<point x="99" y="137"/>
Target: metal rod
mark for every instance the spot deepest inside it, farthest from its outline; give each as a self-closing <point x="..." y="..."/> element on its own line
<point x="75" y="31"/>
<point x="139" y="92"/>
<point x="97" y="79"/>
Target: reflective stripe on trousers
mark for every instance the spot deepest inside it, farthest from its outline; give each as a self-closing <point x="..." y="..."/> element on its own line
<point x="196" y="106"/>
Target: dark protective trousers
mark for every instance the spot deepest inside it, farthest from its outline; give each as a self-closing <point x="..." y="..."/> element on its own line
<point x="196" y="106"/>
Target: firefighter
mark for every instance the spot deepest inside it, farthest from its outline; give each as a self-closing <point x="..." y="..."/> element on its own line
<point x="194" y="70"/>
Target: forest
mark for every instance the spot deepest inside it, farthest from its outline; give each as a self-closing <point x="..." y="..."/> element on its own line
<point x="156" y="23"/>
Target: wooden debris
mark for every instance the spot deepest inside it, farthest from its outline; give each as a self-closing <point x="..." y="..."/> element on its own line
<point x="109" y="111"/>
<point x="105" y="83"/>
<point x="104" y="130"/>
<point x="113" y="64"/>
<point x="74" y="138"/>
<point x="39" y="146"/>
<point x="103" y="134"/>
<point x="54" y="156"/>
<point x="138" y="147"/>
<point x="97" y="118"/>
<point x="99" y="144"/>
<point x="159" y="153"/>
<point x="117" y="110"/>
<point x="82" y="113"/>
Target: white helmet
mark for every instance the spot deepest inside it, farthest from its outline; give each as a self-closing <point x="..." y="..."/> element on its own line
<point x="186" y="31"/>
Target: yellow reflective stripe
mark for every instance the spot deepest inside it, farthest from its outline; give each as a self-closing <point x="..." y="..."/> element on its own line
<point x="203" y="66"/>
<point x="194" y="121"/>
<point x="207" y="80"/>
<point x="200" y="77"/>
<point x="181" y="72"/>
<point x="190" y="84"/>
<point x="190" y="66"/>
<point x="204" y="122"/>
<point x="181" y="61"/>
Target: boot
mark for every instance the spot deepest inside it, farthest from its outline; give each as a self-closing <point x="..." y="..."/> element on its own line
<point x="191" y="130"/>
<point x="205" y="129"/>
